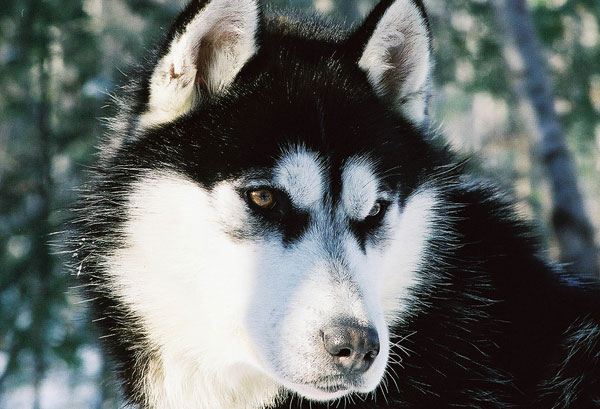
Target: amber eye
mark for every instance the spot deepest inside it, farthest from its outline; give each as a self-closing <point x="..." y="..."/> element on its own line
<point x="263" y="198"/>
<point x="375" y="210"/>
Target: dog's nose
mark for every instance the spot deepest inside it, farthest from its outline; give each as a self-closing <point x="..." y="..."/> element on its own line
<point x="352" y="347"/>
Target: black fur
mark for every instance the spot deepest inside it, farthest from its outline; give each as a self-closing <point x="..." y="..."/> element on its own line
<point x="495" y="326"/>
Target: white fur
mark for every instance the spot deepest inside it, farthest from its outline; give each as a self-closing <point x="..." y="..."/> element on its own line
<point x="360" y="188"/>
<point x="401" y="33"/>
<point x="299" y="173"/>
<point x="226" y="28"/>
<point x="176" y="268"/>
<point x="401" y="257"/>
<point x="234" y="320"/>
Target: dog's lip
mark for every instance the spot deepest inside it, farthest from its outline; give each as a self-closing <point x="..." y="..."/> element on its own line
<point x="336" y="383"/>
<point x="332" y="388"/>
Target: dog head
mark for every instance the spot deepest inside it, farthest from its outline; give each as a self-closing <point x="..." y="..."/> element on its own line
<point x="274" y="200"/>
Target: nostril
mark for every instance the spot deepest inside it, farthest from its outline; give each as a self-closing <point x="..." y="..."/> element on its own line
<point x="370" y="356"/>
<point x="371" y="344"/>
<point x="353" y="348"/>
<point x="344" y="352"/>
<point x="337" y="341"/>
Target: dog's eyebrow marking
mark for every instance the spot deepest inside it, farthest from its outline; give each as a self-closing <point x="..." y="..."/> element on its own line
<point x="299" y="173"/>
<point x="359" y="188"/>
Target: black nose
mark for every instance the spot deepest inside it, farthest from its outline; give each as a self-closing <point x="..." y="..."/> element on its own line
<point x="352" y="347"/>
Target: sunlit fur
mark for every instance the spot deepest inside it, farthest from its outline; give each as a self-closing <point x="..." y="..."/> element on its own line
<point x="207" y="301"/>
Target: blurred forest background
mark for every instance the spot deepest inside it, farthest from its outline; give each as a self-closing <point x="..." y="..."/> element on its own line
<point x="59" y="60"/>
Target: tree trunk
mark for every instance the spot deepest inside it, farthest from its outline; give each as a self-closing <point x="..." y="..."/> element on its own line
<point x="521" y="47"/>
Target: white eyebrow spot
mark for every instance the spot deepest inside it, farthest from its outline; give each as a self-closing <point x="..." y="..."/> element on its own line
<point x="299" y="173"/>
<point x="359" y="188"/>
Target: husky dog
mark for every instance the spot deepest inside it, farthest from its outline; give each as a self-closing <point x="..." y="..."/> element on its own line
<point x="272" y="223"/>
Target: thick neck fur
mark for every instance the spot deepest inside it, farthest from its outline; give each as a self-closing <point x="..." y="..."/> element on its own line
<point x="174" y="382"/>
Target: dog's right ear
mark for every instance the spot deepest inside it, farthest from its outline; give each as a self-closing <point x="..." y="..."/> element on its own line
<point x="208" y="45"/>
<point x="393" y="47"/>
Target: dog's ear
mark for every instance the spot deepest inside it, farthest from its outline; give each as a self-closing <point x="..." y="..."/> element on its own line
<point x="394" y="49"/>
<point x="206" y="48"/>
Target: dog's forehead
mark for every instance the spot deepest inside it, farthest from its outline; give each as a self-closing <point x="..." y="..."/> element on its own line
<point x="307" y="179"/>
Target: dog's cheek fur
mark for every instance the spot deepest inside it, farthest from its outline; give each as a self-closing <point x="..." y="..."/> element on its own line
<point x="399" y="257"/>
<point x="174" y="267"/>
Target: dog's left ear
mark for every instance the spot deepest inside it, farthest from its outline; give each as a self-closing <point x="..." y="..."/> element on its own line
<point x="208" y="45"/>
<point x="395" y="41"/>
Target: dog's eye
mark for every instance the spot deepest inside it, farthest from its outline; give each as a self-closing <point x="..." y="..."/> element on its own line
<point x="378" y="210"/>
<point x="375" y="210"/>
<point x="263" y="198"/>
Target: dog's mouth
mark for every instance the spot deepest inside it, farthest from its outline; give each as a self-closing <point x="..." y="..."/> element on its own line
<point x="348" y="382"/>
<point x="336" y="385"/>
<point x="333" y="388"/>
<point x="332" y="384"/>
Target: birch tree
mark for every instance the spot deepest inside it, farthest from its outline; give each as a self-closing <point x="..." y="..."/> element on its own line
<point x="521" y="49"/>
